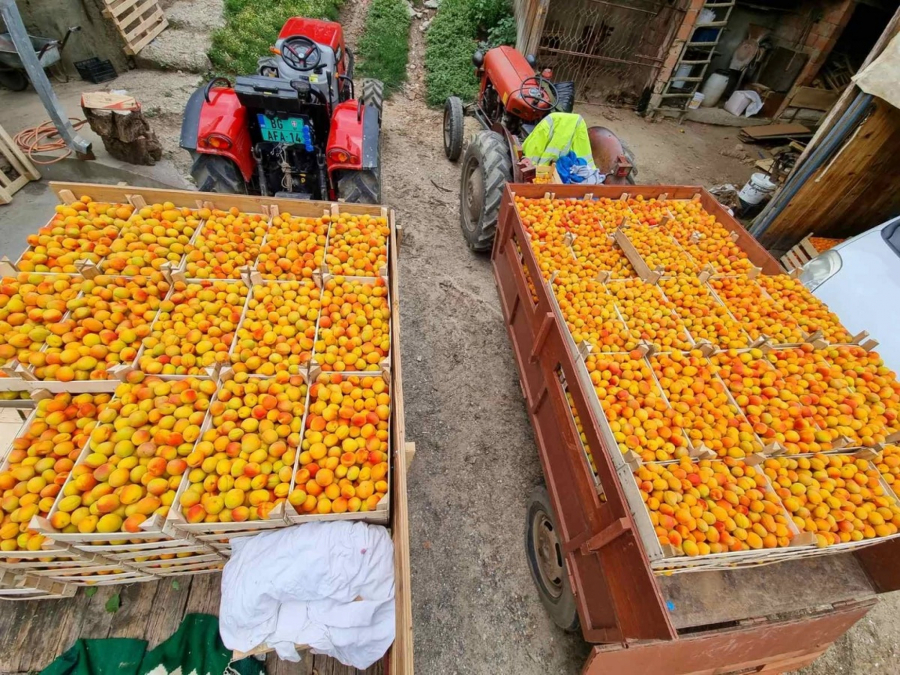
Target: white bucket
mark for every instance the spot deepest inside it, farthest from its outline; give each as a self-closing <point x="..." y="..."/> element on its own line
<point x="737" y="103"/>
<point x="695" y="101"/>
<point x="757" y="190"/>
<point x="713" y="89"/>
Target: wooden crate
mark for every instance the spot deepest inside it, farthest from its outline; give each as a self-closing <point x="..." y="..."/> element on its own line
<point x="22" y="166"/>
<point x="399" y="659"/>
<point x="138" y="21"/>
<point x="15" y="586"/>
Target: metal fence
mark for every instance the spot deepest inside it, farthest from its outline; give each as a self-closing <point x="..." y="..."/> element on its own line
<point x="611" y="49"/>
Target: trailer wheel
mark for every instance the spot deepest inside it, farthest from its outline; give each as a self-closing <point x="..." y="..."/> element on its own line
<point x="548" y="564"/>
<point x="487" y="167"/>
<point x="213" y="173"/>
<point x="453" y="128"/>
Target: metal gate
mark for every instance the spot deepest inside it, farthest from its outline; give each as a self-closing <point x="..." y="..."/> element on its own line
<point x="611" y="49"/>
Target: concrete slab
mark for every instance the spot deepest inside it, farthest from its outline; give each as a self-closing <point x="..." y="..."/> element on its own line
<point x="177" y="49"/>
<point x="162" y="96"/>
<point x="29" y="210"/>
<point x="196" y="15"/>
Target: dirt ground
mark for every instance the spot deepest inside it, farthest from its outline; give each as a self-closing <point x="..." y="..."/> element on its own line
<point x="475" y="608"/>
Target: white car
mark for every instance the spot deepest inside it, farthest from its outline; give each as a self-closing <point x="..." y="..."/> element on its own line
<point x="859" y="280"/>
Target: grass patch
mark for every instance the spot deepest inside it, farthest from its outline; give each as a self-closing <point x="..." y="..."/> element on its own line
<point x="251" y="27"/>
<point x="384" y="46"/>
<point x="454" y="36"/>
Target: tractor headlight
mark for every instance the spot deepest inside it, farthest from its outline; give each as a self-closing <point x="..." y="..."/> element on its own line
<point x="820" y="269"/>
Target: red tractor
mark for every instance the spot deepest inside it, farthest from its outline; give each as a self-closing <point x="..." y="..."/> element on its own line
<point x="512" y="100"/>
<point x="294" y="129"/>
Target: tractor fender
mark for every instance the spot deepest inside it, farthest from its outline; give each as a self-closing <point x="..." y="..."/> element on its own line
<point x="356" y="130"/>
<point x="224" y="116"/>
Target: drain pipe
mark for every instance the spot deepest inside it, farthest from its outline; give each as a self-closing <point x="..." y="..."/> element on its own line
<point x="819" y="156"/>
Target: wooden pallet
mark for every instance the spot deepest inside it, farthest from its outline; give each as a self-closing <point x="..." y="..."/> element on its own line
<point x="808" y="248"/>
<point x="20" y="163"/>
<point x="138" y="21"/>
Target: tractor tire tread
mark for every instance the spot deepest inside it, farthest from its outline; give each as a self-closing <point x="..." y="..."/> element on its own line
<point x="497" y="167"/>
<point x="360" y="187"/>
<point x="212" y="173"/>
<point x="373" y="94"/>
<point x="453" y="113"/>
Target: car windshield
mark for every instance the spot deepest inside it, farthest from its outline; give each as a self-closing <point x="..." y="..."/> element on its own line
<point x="891" y="235"/>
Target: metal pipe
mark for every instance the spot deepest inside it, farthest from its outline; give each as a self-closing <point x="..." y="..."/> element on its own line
<point x="818" y="157"/>
<point x="13" y="20"/>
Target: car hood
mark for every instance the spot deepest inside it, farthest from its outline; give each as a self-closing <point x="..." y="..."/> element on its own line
<point x="865" y="292"/>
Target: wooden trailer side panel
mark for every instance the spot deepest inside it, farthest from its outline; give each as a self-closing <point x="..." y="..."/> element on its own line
<point x="882" y="563"/>
<point x="767" y="648"/>
<point x="616" y="594"/>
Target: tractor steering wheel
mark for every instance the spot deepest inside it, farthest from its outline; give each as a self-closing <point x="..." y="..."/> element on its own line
<point x="539" y="94"/>
<point x="300" y="53"/>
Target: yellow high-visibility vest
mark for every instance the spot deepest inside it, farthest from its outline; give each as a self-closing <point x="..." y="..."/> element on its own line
<point x="557" y="135"/>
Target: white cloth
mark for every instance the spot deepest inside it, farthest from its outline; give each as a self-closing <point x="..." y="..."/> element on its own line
<point x="326" y="585"/>
<point x="880" y="77"/>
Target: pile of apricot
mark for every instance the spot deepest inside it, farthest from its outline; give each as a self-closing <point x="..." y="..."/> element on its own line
<point x="702" y="405"/>
<point x="228" y="241"/>
<point x="839" y="498"/>
<point x="712" y="506"/>
<point x="294" y="247"/>
<point x="357" y="245"/>
<point x="648" y="315"/>
<point x="81" y="231"/>
<point x="279" y="330"/>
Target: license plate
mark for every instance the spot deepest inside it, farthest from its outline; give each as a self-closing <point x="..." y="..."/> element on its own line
<point x="282" y="129"/>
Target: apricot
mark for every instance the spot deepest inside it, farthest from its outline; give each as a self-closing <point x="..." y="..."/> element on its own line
<point x="153" y="236"/>
<point x="226" y="243"/>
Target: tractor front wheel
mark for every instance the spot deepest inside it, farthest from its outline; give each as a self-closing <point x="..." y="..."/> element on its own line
<point x="373" y="94"/>
<point x="487" y="167"/>
<point x="213" y="173"/>
<point x="360" y="187"/>
<point x="453" y="128"/>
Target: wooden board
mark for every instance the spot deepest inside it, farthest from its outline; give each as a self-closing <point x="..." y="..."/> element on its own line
<point x="24" y="170"/>
<point x="851" y="193"/>
<point x="811" y="98"/>
<point x="774" y="131"/>
<point x="708" y="598"/>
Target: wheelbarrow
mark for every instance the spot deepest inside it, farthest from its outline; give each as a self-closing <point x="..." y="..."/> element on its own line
<point x="47" y="50"/>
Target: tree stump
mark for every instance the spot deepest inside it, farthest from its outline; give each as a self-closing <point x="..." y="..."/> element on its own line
<point x="126" y="133"/>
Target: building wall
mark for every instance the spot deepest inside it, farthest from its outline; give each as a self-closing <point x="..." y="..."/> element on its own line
<point x="98" y="36"/>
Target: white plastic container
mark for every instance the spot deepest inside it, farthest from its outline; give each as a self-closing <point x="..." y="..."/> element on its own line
<point x="737" y="103"/>
<point x="682" y="72"/>
<point x="757" y="190"/>
<point x="695" y="101"/>
<point x="713" y="89"/>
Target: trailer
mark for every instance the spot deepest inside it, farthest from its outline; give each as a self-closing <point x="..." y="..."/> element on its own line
<point x="593" y="569"/>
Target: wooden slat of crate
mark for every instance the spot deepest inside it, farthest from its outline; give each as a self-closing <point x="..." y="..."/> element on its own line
<point x="21" y="165"/>
<point x="138" y="21"/>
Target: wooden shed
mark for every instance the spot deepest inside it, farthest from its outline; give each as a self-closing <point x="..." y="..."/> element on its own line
<point x="848" y="178"/>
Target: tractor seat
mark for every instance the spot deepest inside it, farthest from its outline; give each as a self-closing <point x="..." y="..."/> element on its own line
<point x="527" y="128"/>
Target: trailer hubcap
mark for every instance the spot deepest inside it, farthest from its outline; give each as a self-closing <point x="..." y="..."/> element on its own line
<point x="549" y="555"/>
<point x="474" y="197"/>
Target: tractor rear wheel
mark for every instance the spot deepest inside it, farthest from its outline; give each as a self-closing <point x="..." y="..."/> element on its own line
<point x="487" y="167"/>
<point x="453" y="128"/>
<point x="360" y="187"/>
<point x="373" y="94"/>
<point x="213" y="173"/>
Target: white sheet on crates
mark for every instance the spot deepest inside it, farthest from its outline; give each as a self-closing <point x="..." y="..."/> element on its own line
<point x="327" y="585"/>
